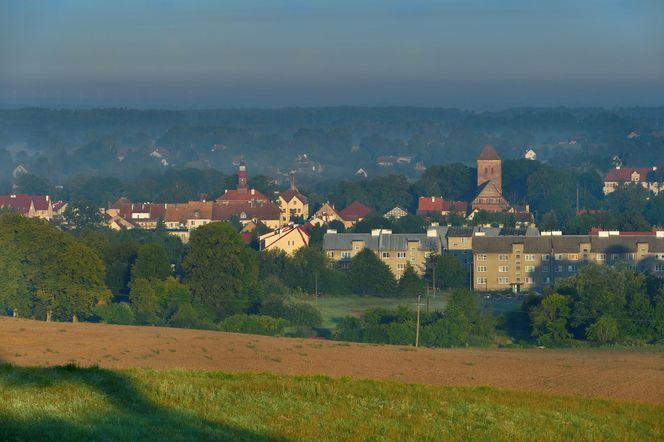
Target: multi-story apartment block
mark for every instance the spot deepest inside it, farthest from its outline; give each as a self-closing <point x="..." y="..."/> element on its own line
<point x="395" y="250"/>
<point x="522" y="263"/>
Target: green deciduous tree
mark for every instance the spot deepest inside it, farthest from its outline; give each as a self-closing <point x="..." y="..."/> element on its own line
<point x="604" y="331"/>
<point x="220" y="269"/>
<point x="410" y="284"/>
<point x="151" y="263"/>
<point x="549" y="319"/>
<point x="369" y="275"/>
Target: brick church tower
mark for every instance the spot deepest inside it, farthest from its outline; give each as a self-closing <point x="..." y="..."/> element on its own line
<point x="489" y="168"/>
<point x="242" y="179"/>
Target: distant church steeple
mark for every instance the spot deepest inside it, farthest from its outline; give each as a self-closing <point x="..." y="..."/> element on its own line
<point x="242" y="178"/>
<point x="489" y="167"/>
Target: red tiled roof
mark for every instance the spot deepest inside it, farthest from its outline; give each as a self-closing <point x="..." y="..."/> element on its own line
<point x="624" y="174"/>
<point x="262" y="210"/>
<point x="459" y="206"/>
<point x="242" y="195"/>
<point x="428" y="204"/>
<point x="354" y="211"/>
<point x="22" y="202"/>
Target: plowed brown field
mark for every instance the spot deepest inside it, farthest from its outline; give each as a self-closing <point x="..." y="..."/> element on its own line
<point x="614" y="374"/>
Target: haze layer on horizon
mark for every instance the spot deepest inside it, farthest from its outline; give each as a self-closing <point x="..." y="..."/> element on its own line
<point x="471" y="54"/>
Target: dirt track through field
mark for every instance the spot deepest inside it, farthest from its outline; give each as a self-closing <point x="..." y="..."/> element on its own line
<point x="613" y="374"/>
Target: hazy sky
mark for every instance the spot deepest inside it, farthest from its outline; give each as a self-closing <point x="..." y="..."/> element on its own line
<point x="266" y="53"/>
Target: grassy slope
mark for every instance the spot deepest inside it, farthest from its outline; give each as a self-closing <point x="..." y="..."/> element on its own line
<point x="91" y="404"/>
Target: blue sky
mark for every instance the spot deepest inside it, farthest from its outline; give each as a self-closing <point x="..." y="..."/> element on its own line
<point x="475" y="54"/>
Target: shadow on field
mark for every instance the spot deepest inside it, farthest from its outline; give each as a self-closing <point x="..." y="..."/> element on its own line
<point x="121" y="412"/>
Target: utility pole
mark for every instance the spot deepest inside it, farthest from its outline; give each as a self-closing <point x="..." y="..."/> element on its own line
<point x="417" y="329"/>
<point x="577" y="198"/>
<point x="316" y="288"/>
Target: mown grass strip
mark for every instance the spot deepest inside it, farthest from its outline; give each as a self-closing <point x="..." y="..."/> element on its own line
<point x="71" y="403"/>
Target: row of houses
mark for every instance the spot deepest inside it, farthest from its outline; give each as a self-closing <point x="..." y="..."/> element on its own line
<point x="32" y="206"/>
<point x="500" y="259"/>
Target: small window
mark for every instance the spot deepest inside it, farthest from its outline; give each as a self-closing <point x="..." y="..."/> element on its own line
<point x="558" y="256"/>
<point x="545" y="269"/>
<point x="530" y="269"/>
<point x="573" y="256"/>
<point x="545" y="257"/>
<point x="345" y="255"/>
<point x="571" y="268"/>
<point x="481" y="257"/>
<point x="401" y="254"/>
<point x="503" y="280"/>
<point x="530" y="258"/>
<point x="481" y="268"/>
<point x="601" y="257"/>
<point x="481" y="280"/>
<point x="504" y="257"/>
<point x="386" y="254"/>
<point x="503" y="269"/>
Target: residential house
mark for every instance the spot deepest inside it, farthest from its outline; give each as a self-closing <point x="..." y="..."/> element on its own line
<point x="354" y="212"/>
<point x="288" y="238"/>
<point x="638" y="176"/>
<point x="395" y="213"/>
<point x="325" y="215"/>
<point x="31" y="206"/>
<point x="430" y="205"/>
<point x="293" y="204"/>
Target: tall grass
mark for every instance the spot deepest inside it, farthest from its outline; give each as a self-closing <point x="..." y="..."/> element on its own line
<point x="70" y="403"/>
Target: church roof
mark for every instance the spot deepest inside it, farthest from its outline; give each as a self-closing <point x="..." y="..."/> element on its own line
<point x="489" y="153"/>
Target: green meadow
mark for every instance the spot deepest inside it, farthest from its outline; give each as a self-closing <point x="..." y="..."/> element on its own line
<point x="71" y="403"/>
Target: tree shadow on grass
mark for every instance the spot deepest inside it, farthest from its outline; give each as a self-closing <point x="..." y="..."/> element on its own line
<point x="123" y="412"/>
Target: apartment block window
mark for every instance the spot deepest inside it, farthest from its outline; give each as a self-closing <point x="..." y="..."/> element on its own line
<point x="401" y="254"/>
<point x="559" y="269"/>
<point x="518" y="257"/>
<point x="632" y="256"/>
<point x="573" y="256"/>
<point x="345" y="255"/>
<point x="481" y="257"/>
<point x="547" y="280"/>
<point x="481" y="279"/>
<point x="545" y="269"/>
<point x="601" y="257"/>
<point x="330" y="254"/>
<point x="481" y="268"/>
<point x="571" y="268"/>
<point x="503" y="269"/>
<point x="503" y="280"/>
<point x="386" y="254"/>
<point x="660" y="256"/>
<point x="357" y="248"/>
<point x="530" y="280"/>
<point x="558" y="256"/>
<point x="503" y="257"/>
<point x="530" y="269"/>
<point x="530" y="258"/>
<point x="615" y="256"/>
<point x="545" y="257"/>
<point x="401" y="266"/>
